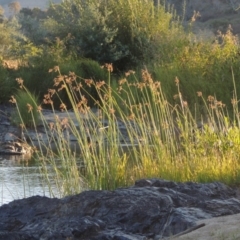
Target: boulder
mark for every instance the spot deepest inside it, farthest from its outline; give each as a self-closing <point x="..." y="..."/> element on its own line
<point x="151" y="209"/>
<point x="15" y="148"/>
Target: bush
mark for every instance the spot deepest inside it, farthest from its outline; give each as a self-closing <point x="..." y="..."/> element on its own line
<point x="120" y="32"/>
<point x="26" y="113"/>
<point x="6" y="85"/>
<point x="88" y="70"/>
<point x="202" y="66"/>
<point x="140" y="24"/>
<point x="87" y="23"/>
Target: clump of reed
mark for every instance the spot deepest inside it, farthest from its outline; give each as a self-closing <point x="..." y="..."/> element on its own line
<point x="160" y="139"/>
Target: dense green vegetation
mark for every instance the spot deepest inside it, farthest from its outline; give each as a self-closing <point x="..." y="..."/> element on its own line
<point x="179" y="80"/>
<point x="130" y="34"/>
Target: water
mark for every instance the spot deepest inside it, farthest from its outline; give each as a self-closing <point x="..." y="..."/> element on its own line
<point x="20" y="179"/>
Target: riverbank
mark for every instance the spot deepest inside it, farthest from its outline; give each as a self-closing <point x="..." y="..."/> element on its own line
<point x="206" y="232"/>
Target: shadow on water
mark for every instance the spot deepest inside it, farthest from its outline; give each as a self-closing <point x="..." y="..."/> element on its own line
<point x="20" y="179"/>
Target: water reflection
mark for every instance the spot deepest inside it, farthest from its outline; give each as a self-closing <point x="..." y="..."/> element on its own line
<point x="20" y="176"/>
<point x="20" y="179"/>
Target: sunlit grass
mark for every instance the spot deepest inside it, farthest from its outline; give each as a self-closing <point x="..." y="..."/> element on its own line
<point x="160" y="140"/>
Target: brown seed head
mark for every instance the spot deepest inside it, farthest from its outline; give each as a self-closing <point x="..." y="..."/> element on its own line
<point x="146" y="76"/>
<point x="122" y="81"/>
<point x="51" y="125"/>
<point x="13" y="100"/>
<point x="111" y="111"/>
<point x="30" y="108"/>
<point x="73" y="76"/>
<point x="131" y="116"/>
<point x="51" y="92"/>
<point x="63" y="107"/>
<point x="64" y="122"/>
<point x="199" y="94"/>
<point x="56" y="69"/>
<point x="210" y="98"/>
<point x="20" y="82"/>
<point x="99" y="84"/>
<point x="219" y="103"/>
<point x="176" y="81"/>
<point x="109" y="67"/>
<point x="89" y="82"/>
<point x="157" y="84"/>
<point x="185" y="104"/>
<point x="39" y="108"/>
<point x="234" y="101"/>
<point x="141" y="85"/>
<point x="68" y="80"/>
<point x="212" y="106"/>
<point x="61" y="88"/>
<point x="129" y="73"/>
<point x="78" y="87"/>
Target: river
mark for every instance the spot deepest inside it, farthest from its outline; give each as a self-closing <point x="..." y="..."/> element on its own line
<point x="20" y="179"/>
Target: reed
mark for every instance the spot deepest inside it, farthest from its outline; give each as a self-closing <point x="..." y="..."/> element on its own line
<point x="134" y="132"/>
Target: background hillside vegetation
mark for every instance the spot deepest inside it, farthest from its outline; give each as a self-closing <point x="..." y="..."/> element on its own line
<point x="129" y="34"/>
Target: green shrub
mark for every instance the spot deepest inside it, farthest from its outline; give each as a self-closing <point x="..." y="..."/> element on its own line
<point x="38" y="79"/>
<point x="140" y="24"/>
<point x="26" y="113"/>
<point x="201" y="66"/>
<point x="6" y="85"/>
<point x="88" y="70"/>
<point x="120" y="32"/>
<point x="87" y="24"/>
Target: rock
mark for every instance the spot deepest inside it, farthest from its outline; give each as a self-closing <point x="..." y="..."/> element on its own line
<point x="6" y="123"/>
<point x="151" y="209"/>
<point x="15" y="148"/>
<point x="10" y="137"/>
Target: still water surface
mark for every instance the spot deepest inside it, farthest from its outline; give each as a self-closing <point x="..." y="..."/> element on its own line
<point x="20" y="179"/>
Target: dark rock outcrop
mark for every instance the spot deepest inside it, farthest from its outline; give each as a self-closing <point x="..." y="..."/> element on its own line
<point x="15" y="148"/>
<point x="151" y="209"/>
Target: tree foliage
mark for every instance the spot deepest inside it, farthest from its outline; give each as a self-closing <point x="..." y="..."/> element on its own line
<point x="87" y="23"/>
<point x="14" y="7"/>
<point x="8" y="36"/>
<point x="120" y="32"/>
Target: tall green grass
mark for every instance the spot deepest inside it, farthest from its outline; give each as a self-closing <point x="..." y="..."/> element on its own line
<point x="160" y="140"/>
<point x="26" y="114"/>
<point x="201" y="65"/>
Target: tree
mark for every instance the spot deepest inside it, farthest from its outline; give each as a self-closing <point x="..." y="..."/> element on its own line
<point x="121" y="32"/>
<point x="87" y="22"/>
<point x="14" y="7"/>
<point x="1" y="14"/>
<point x="30" y="21"/>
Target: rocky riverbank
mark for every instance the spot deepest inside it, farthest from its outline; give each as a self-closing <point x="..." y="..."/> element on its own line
<point x="11" y="135"/>
<point x="151" y="209"/>
<point x="13" y="140"/>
